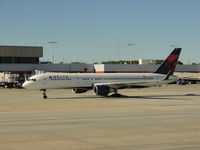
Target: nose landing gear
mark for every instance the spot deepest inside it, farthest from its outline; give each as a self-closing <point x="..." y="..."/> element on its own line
<point x="44" y="93"/>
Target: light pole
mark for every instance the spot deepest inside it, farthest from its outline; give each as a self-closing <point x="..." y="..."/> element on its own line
<point x="173" y="45"/>
<point x="53" y="43"/>
<point x="131" y="44"/>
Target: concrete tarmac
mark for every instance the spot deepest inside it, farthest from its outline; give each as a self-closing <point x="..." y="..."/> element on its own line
<point x="165" y="118"/>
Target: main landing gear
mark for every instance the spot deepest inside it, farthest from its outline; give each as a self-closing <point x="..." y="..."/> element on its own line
<point x="116" y="94"/>
<point x="44" y="93"/>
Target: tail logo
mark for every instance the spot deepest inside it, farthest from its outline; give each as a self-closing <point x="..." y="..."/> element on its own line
<point x="170" y="63"/>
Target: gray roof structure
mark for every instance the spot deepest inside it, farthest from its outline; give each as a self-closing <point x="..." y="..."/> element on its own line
<point x="21" y="51"/>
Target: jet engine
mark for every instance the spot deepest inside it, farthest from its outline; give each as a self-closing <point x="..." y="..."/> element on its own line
<point x="101" y="90"/>
<point x="78" y="91"/>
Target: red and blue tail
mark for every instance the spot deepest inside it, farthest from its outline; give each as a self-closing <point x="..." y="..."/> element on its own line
<point x="168" y="66"/>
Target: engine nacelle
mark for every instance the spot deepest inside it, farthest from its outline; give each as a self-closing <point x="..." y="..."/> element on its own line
<point x="101" y="90"/>
<point x="78" y="91"/>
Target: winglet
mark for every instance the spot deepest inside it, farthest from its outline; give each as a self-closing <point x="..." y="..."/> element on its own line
<point x="168" y="66"/>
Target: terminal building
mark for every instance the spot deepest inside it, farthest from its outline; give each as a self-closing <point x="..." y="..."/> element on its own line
<point x="25" y="60"/>
<point x="20" y="54"/>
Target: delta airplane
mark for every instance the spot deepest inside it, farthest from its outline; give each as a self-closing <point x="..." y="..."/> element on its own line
<point x="105" y="83"/>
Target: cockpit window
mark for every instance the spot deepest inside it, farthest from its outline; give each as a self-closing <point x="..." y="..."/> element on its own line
<point x="31" y="79"/>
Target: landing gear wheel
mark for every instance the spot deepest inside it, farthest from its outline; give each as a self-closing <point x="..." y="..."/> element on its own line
<point x="44" y="93"/>
<point x="116" y="94"/>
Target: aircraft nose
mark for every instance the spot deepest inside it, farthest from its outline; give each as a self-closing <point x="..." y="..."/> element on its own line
<point x="24" y="85"/>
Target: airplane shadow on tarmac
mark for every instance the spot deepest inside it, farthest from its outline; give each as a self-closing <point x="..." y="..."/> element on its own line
<point x="158" y="97"/>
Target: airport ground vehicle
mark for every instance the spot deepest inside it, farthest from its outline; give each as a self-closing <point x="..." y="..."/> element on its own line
<point x="9" y="80"/>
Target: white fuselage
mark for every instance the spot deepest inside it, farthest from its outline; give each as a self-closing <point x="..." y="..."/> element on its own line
<point x="87" y="80"/>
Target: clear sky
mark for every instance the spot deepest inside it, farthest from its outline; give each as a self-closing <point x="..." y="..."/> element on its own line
<point x="100" y="30"/>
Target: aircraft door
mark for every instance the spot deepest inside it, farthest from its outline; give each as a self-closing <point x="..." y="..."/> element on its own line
<point x="77" y="80"/>
<point x="44" y="81"/>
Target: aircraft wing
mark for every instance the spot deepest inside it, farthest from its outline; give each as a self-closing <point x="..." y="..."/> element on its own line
<point x="137" y="84"/>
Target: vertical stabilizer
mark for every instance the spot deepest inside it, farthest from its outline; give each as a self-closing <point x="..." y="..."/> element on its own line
<point x="168" y="66"/>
